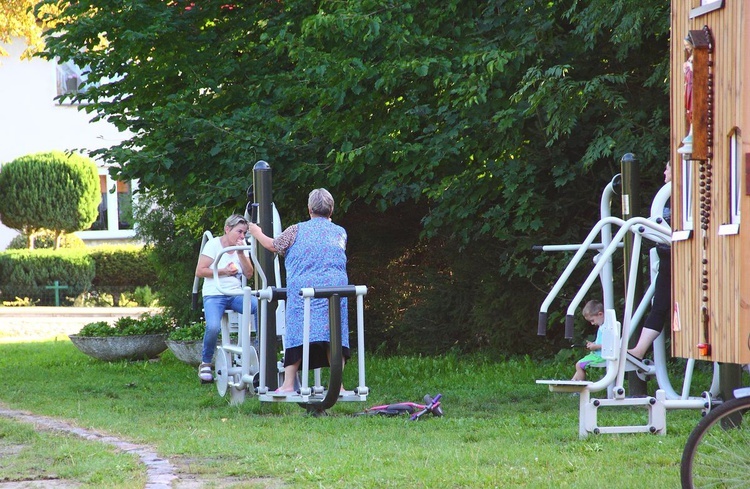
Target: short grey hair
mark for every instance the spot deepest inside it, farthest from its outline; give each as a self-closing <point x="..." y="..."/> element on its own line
<point x="234" y="220"/>
<point x="320" y="202"/>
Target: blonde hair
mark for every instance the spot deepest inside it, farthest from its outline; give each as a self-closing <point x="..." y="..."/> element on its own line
<point x="592" y="308"/>
<point x="234" y="220"/>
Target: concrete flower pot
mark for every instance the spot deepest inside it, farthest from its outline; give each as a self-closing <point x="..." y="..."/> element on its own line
<point x="113" y="348"/>
<point x="187" y="351"/>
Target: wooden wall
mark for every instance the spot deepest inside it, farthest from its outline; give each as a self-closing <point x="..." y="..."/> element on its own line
<point x="710" y="271"/>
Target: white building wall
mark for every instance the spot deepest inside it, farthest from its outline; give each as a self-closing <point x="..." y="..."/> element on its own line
<point x="32" y="122"/>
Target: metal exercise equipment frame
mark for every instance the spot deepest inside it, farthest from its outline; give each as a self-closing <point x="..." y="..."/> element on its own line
<point x="236" y="359"/>
<point x="239" y="368"/>
<point x="317" y="398"/>
<point x="616" y="335"/>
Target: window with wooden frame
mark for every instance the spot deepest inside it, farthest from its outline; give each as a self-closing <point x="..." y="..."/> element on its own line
<point x="705" y="7"/>
<point x="735" y="182"/>
<point x="687" y="194"/>
<point x="115" y="219"/>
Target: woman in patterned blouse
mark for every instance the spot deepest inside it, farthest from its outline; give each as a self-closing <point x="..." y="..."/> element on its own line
<point x="314" y="254"/>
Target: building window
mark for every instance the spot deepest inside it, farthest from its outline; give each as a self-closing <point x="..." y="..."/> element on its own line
<point x="735" y="143"/>
<point x="735" y="183"/>
<point x="687" y="194"/>
<point x="705" y="7"/>
<point x="71" y="80"/>
<point x="124" y="205"/>
<point x="101" y="219"/>
<point x="115" y="218"/>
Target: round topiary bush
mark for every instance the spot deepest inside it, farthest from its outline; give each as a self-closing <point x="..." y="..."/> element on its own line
<point x="54" y="190"/>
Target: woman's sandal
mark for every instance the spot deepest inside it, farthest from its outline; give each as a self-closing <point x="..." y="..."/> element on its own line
<point x="632" y="357"/>
<point x="204" y="373"/>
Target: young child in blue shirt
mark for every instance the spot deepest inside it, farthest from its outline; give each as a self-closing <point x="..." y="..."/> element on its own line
<point x="593" y="312"/>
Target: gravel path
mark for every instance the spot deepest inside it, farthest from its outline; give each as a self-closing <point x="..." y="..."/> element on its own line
<point x="160" y="473"/>
<point x="46" y="323"/>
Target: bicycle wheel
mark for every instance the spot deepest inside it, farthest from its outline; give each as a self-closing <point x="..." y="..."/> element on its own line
<point x="716" y="453"/>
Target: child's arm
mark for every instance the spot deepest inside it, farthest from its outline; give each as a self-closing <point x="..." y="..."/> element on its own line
<point x="593" y="346"/>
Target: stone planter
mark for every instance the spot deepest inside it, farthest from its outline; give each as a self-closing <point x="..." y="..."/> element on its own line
<point x="113" y="348"/>
<point x="187" y="351"/>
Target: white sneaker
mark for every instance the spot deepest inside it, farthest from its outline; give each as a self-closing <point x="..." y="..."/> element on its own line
<point x="205" y="374"/>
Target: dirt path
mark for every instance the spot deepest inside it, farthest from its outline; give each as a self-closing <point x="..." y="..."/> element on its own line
<point x="160" y="473"/>
<point x="46" y="323"/>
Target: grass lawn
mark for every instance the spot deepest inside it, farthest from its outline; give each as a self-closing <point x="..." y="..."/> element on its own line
<point x="500" y="429"/>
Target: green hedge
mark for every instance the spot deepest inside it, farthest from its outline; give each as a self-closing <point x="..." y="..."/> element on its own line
<point x="105" y="269"/>
<point x="27" y="273"/>
<point x="124" y="265"/>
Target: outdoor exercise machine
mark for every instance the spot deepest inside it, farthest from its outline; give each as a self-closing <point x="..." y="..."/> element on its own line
<point x="615" y="334"/>
<point x="239" y="367"/>
<point x="236" y="358"/>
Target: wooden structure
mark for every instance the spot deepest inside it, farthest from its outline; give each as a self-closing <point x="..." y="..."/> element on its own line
<point x="710" y="103"/>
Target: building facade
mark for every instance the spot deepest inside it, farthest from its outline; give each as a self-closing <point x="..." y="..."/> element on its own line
<point x="34" y="122"/>
<point x="710" y="151"/>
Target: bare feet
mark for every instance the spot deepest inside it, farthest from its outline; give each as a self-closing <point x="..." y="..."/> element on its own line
<point x="282" y="392"/>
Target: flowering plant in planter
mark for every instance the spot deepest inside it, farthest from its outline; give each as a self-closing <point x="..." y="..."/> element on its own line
<point x="129" y="338"/>
<point x="128" y="326"/>
<point x="192" y="332"/>
<point x="186" y="342"/>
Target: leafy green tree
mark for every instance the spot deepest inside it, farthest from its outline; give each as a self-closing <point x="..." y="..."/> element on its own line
<point x="499" y="120"/>
<point x="17" y="18"/>
<point x="54" y="191"/>
<point x="444" y="101"/>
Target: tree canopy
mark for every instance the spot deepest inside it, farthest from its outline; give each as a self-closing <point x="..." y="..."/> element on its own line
<point x="458" y="102"/>
<point x="501" y="120"/>
<point x="18" y="18"/>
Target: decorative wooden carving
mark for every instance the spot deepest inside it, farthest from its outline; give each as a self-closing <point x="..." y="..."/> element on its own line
<point x="702" y="95"/>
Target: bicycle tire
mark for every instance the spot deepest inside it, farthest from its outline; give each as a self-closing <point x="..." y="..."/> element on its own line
<point x="716" y="452"/>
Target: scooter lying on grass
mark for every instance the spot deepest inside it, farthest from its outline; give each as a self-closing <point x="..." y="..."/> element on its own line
<point x="415" y="411"/>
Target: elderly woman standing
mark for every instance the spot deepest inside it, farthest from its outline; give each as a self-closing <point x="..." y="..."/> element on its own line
<point x="232" y="266"/>
<point x="314" y="254"/>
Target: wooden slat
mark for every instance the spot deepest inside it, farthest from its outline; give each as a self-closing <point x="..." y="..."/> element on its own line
<point x="728" y="257"/>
